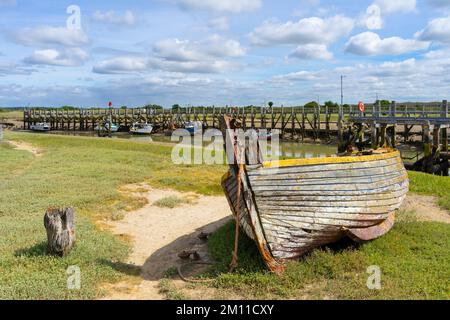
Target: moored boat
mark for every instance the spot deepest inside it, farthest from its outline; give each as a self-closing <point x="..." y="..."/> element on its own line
<point x="141" y="128"/>
<point x="106" y="127"/>
<point x="290" y="207"/>
<point x="194" y="127"/>
<point x="42" y="127"/>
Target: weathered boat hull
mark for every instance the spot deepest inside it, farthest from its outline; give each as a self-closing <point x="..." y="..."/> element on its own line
<point x="293" y="206"/>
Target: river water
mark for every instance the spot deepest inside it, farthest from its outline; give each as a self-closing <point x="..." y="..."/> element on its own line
<point x="288" y="149"/>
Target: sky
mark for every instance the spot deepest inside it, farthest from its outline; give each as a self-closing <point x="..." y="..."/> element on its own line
<point x="227" y="52"/>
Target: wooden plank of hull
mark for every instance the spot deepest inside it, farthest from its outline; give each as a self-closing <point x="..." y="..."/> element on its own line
<point x="358" y="203"/>
<point x="327" y="199"/>
<point x="360" y="181"/>
<point x="331" y="174"/>
<point x="332" y="211"/>
<point x="385" y="188"/>
<point x="325" y="167"/>
<point x="347" y="186"/>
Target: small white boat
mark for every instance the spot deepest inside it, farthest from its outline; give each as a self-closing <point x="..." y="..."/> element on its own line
<point x="42" y="126"/>
<point x="194" y="127"/>
<point x="105" y="127"/>
<point x="141" y="128"/>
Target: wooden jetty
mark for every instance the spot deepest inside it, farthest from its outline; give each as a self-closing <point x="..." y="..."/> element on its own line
<point x="297" y="123"/>
<point x="430" y="122"/>
<point x="293" y="122"/>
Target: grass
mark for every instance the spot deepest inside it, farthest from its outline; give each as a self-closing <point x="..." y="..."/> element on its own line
<point x="414" y="260"/>
<point x="170" y="202"/>
<point x="85" y="173"/>
<point x="427" y="184"/>
<point x="10" y="115"/>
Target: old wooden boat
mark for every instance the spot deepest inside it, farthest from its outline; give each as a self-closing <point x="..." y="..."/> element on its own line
<point x="290" y="207"/>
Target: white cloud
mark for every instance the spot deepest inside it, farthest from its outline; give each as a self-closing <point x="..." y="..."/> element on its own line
<point x="372" y="19"/>
<point x="214" y="66"/>
<point x="221" y="5"/>
<point x="437" y="30"/>
<point x="125" y="64"/>
<point x="68" y="58"/>
<point x="45" y="36"/>
<point x="219" y="23"/>
<point x="128" y="18"/>
<point x="184" y="50"/>
<point x="393" y="6"/>
<point x="312" y="52"/>
<point x="207" y="56"/>
<point x="370" y="44"/>
<point x="305" y="31"/>
<point x="298" y="76"/>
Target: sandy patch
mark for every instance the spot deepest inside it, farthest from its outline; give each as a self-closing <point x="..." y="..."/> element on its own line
<point x="425" y="208"/>
<point x="20" y="145"/>
<point x="159" y="234"/>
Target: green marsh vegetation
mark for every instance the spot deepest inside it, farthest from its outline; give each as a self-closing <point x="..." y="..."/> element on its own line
<point x="85" y="173"/>
<point x="171" y="202"/>
<point x="414" y="260"/>
<point x="426" y="184"/>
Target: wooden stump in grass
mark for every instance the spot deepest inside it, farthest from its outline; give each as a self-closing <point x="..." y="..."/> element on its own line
<point x="60" y="226"/>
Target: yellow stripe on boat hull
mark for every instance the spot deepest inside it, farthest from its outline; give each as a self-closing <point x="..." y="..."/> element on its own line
<point x="329" y="160"/>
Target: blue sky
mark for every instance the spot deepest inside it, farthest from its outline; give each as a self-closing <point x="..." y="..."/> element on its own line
<point x="205" y="52"/>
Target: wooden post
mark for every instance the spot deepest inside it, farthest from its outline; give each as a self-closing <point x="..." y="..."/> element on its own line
<point x="273" y="118"/>
<point x="436" y="136"/>
<point x="318" y="120"/>
<point x="445" y="139"/>
<point x="393" y="135"/>
<point x="373" y="135"/>
<point x="60" y="227"/>
<point x="444" y="109"/>
<point x="427" y="140"/>
<point x="252" y="117"/>
<point x="444" y="114"/>
<point x="393" y="109"/>
<point x="383" y="135"/>
<point x="340" y="125"/>
<point x="292" y="123"/>
<point x="303" y="123"/>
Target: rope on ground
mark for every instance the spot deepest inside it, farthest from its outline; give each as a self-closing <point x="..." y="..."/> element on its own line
<point x="180" y="272"/>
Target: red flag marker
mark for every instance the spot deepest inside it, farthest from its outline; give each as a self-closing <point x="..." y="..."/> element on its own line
<point x="361" y="106"/>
